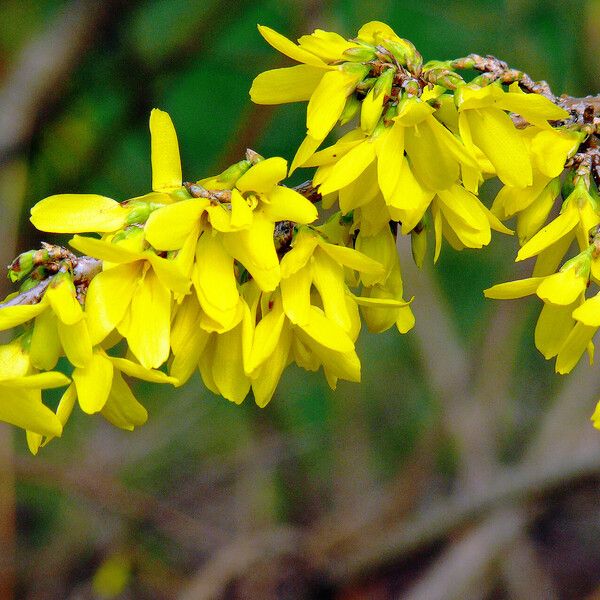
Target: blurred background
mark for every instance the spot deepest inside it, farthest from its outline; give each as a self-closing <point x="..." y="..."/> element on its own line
<point x="461" y="468"/>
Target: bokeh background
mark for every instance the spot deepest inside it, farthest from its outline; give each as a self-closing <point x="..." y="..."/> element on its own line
<point x="461" y="467"/>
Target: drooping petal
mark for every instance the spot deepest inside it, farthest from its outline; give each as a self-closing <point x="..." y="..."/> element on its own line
<point x="228" y="368"/>
<point x="93" y="383"/>
<point x="76" y="342"/>
<point x="78" y="213"/>
<point x="136" y="370"/>
<point x="166" y="163"/>
<point x="39" y="381"/>
<point x="150" y="320"/>
<point x="589" y="312"/>
<point x="495" y="134"/>
<point x="552" y="329"/>
<point x="122" y="409"/>
<point x="326" y="332"/>
<point x="573" y="348"/>
<point x="327" y="102"/>
<point x="295" y="292"/>
<point x="562" y="288"/>
<point x="113" y="253"/>
<point x="108" y="298"/>
<point x="349" y="167"/>
<point x="24" y="408"/>
<point x="390" y="156"/>
<point x="255" y="249"/>
<point x="214" y="279"/>
<point x="45" y="346"/>
<point x="63" y="300"/>
<point x="352" y="259"/>
<point x="241" y="212"/>
<point x="266" y="337"/>
<point x="547" y="236"/>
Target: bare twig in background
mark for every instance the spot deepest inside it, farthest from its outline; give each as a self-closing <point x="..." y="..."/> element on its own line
<point x="38" y="72"/>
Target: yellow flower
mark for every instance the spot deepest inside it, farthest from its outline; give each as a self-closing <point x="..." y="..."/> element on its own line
<point x="133" y="295"/>
<point x="21" y="392"/>
<point x="483" y="122"/>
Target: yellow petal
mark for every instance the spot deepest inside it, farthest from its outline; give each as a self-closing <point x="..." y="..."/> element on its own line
<point x="574" y="346"/>
<point x="228" y="368"/>
<point x="255" y="249"/>
<point x="373" y="31"/>
<point x="267" y="377"/>
<point x="562" y="288"/>
<point x="11" y="316"/>
<point x="113" y="253"/>
<point x="295" y="292"/>
<point x="121" y="408"/>
<point x="288" y="205"/>
<point x="589" y="312"/>
<point x="166" y="164"/>
<point x="63" y="300"/>
<point x="327" y="45"/>
<point x="169" y="273"/>
<point x="108" y="298"/>
<point x="263" y="176"/>
<point x="93" y="383"/>
<point x="139" y="372"/>
<point x="241" y="213"/>
<point x="76" y="342"/>
<point x="495" y="134"/>
<point x="292" y="84"/>
<point x="78" y="213"/>
<point x="550" y="234"/>
<point x="553" y="327"/>
<point x="287" y="47"/>
<point x="38" y="381"/>
<point x="24" y="408"/>
<point x="327" y="102"/>
<point x="349" y="167"/>
<point x="214" y="279"/>
<point x="514" y="289"/>
<point x="352" y="259"/>
<point x="390" y="156"/>
<point x="45" y="347"/>
<point x="150" y="320"/>
<point x="326" y="332"/>
<point x="168" y="227"/>
<point x="306" y="149"/>
<point x="266" y="337"/>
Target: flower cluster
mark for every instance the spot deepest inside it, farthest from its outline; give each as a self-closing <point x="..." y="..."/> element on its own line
<point x="226" y="275"/>
<point x="236" y="276"/>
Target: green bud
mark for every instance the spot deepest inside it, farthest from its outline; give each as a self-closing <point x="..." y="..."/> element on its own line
<point x="444" y="77"/>
<point x="231" y="174"/>
<point x="179" y="194"/>
<point x="350" y="109"/>
<point x="253" y="157"/>
<point x="359" y="70"/>
<point x="418" y="243"/>
<point x="406" y="54"/>
<point x="139" y="213"/>
<point x="22" y="265"/>
<point x="582" y="263"/>
<point x="384" y="82"/>
<point x="362" y="54"/>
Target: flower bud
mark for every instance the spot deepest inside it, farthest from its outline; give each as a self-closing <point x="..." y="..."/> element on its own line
<point x="360" y="54"/>
<point x="418" y="243"/>
<point x="350" y="109"/>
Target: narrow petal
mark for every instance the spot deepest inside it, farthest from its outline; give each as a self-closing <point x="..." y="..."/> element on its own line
<point x="166" y="163"/>
<point x="122" y="409"/>
<point x="353" y="259"/>
<point x="349" y="167"/>
<point x="514" y="289"/>
<point x="39" y="381"/>
<point x="550" y="234"/>
<point x="45" y="347"/>
<point x="78" y="213"/>
<point x="228" y="368"/>
<point x="326" y="332"/>
<point x="589" y="312"/>
<point x="241" y="212"/>
<point x="255" y="249"/>
<point x="11" y="316"/>
<point x="139" y="372"/>
<point x="114" y="253"/>
<point x="295" y="292"/>
<point x="287" y="47"/>
<point x="390" y="156"/>
<point x="562" y="288"/>
<point x="62" y="298"/>
<point x="93" y="383"/>
<point x="150" y="314"/>
<point x="76" y="342"/>
<point x="266" y="337"/>
<point x="573" y="348"/>
<point x="292" y="84"/>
